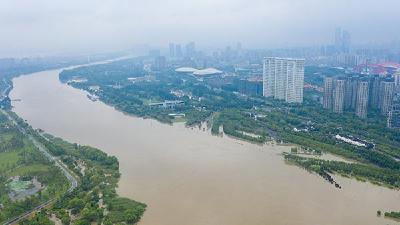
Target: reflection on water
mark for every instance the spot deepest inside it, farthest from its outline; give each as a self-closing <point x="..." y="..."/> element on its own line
<point x="188" y="177"/>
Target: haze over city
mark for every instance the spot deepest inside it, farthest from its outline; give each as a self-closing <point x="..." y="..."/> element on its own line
<point x="61" y="27"/>
<point x="199" y="112"/>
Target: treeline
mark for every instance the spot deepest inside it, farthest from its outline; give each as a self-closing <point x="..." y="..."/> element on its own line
<point x="394" y="215"/>
<point x="348" y="151"/>
<point x="99" y="175"/>
<point x="237" y="124"/>
<point x="109" y="73"/>
<point x="26" y="162"/>
<point x="382" y="176"/>
<point x="94" y="200"/>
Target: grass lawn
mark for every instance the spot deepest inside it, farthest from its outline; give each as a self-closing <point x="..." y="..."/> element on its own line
<point x="24" y="170"/>
<point x="8" y="160"/>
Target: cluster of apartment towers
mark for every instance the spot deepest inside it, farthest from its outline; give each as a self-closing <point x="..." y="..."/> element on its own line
<point x="362" y="93"/>
<point x="283" y="79"/>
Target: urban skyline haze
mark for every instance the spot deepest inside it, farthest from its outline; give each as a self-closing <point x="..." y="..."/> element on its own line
<point x="52" y="27"/>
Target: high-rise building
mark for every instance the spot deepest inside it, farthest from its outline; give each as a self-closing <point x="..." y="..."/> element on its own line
<point x="362" y="99"/>
<point x="396" y="77"/>
<point x="283" y="78"/>
<point x="375" y="84"/>
<point x="338" y="38"/>
<point x="342" y="41"/>
<point x="190" y="49"/>
<point x="328" y="93"/>
<point x="393" y="120"/>
<point x="172" y="50"/>
<point x="354" y="94"/>
<point x="338" y="95"/>
<point x="178" y="51"/>
<point x="335" y="94"/>
<point x="350" y="95"/>
<point x="346" y="41"/>
<point x="159" y="63"/>
<point x="387" y="93"/>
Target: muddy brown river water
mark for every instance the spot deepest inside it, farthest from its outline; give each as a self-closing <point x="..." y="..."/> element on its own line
<point x="189" y="177"/>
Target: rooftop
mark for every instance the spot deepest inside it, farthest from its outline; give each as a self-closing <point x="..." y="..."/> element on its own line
<point x="197" y="72"/>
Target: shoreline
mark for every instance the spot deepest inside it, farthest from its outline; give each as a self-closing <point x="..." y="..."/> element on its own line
<point x="179" y="126"/>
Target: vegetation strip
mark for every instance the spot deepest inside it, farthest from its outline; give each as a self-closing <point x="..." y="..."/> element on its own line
<point x="91" y="195"/>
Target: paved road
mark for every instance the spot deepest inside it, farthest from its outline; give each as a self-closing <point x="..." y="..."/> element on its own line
<point x="73" y="181"/>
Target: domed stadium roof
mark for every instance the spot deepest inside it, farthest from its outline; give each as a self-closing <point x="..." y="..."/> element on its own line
<point x="208" y="71"/>
<point x="186" y="70"/>
<point x="196" y="72"/>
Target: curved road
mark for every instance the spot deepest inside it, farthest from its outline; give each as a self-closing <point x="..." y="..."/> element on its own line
<point x="73" y="181"/>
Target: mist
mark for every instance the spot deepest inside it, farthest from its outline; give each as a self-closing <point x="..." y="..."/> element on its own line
<point x="55" y="27"/>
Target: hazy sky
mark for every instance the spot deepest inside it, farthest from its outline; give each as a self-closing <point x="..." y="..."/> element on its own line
<point x="53" y="26"/>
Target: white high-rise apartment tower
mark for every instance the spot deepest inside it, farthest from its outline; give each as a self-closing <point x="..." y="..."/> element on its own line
<point x="338" y="96"/>
<point x="387" y="93"/>
<point x="328" y="92"/>
<point x="362" y="99"/>
<point x="283" y="78"/>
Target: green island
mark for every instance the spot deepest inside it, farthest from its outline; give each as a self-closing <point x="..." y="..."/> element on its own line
<point x="166" y="94"/>
<point x="393" y="215"/>
<point x="28" y="179"/>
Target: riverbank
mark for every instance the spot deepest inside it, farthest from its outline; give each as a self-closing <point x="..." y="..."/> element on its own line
<point x="27" y="178"/>
<point x="94" y="180"/>
<point x="249" y="118"/>
<point x="192" y="173"/>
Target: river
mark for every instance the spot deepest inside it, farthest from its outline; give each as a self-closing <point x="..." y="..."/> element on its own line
<point x="189" y="177"/>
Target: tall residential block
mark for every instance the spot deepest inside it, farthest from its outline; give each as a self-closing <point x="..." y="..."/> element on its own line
<point x="387" y="93"/>
<point x="159" y="63"/>
<point x="354" y="87"/>
<point x="328" y="93"/>
<point x="375" y="86"/>
<point x="393" y="120"/>
<point x="362" y="99"/>
<point x="338" y="95"/>
<point x="350" y="95"/>
<point x="283" y="79"/>
<point x="190" y="49"/>
<point x="172" y="50"/>
<point x="178" y="51"/>
<point x="342" y="41"/>
<point x="396" y="77"/>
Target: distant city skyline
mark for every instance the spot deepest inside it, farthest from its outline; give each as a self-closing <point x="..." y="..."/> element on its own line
<point x="75" y="26"/>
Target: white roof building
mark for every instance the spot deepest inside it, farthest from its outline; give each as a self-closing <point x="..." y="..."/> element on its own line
<point x="186" y="70"/>
<point x="196" y="72"/>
